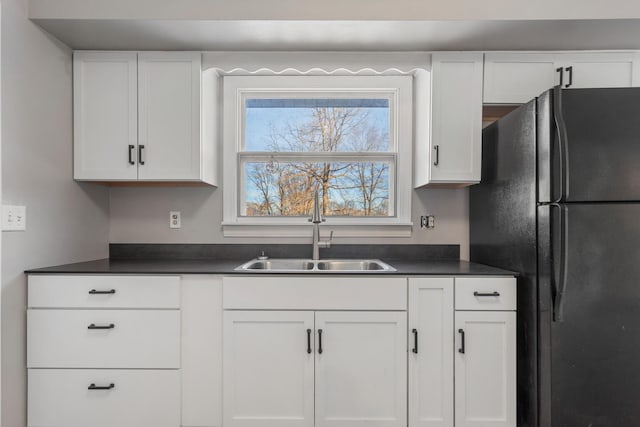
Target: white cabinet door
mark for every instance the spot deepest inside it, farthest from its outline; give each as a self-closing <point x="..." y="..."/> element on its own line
<point x="456" y="119"/>
<point x="595" y="70"/>
<point x="268" y="369"/>
<point x="361" y="374"/>
<point x="105" y="115"/>
<point x="485" y="369"/>
<point x="169" y="116"/>
<point x="431" y="352"/>
<point x="201" y="351"/>
<point x="516" y="78"/>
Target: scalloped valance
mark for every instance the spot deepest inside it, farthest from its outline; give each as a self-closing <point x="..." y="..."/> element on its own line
<point x="316" y="63"/>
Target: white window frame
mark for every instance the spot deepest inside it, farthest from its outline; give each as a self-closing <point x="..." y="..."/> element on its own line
<point x="235" y="89"/>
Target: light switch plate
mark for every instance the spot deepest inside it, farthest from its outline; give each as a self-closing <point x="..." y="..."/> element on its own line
<point x="14" y="218"/>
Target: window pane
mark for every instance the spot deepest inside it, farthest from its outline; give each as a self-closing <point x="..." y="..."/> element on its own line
<point x="286" y="189"/>
<point x="318" y="125"/>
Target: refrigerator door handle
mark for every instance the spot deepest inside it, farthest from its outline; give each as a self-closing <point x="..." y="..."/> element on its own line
<point x="563" y="152"/>
<point x="560" y="284"/>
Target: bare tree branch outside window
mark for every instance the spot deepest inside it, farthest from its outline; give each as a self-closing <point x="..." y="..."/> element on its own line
<point x="357" y="187"/>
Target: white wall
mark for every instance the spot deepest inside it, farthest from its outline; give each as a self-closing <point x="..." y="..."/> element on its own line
<point x="66" y="222"/>
<point x="141" y="215"/>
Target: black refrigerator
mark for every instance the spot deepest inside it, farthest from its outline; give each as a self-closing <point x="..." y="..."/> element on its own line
<point x="559" y="202"/>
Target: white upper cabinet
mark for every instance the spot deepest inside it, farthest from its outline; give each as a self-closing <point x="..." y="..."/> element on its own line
<point x="453" y="159"/>
<point x="105" y="92"/>
<point x="169" y="116"/>
<point x="584" y="70"/>
<point x="516" y="78"/>
<point x="137" y="117"/>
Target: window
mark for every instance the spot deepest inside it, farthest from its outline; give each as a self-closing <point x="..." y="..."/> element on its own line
<point x="347" y="137"/>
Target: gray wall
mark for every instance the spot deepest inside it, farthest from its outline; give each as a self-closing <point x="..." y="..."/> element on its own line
<point x="141" y="215"/>
<point x="66" y="221"/>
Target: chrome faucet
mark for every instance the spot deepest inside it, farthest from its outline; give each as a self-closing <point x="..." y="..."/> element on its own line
<point x="317" y="219"/>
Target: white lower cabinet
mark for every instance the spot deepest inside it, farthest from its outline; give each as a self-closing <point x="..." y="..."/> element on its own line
<point x="103" y="398"/>
<point x="374" y="352"/>
<point x="283" y="367"/>
<point x="201" y="367"/>
<point x="268" y="369"/>
<point x="101" y="354"/>
<point x="112" y="339"/>
<point x="485" y="369"/>
<point x="431" y="352"/>
<point x="361" y="372"/>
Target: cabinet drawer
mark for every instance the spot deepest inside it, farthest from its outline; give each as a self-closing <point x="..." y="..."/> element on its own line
<point x="60" y="397"/>
<point x="106" y="291"/>
<point x="314" y="293"/>
<point x="485" y="293"/>
<point x="138" y="339"/>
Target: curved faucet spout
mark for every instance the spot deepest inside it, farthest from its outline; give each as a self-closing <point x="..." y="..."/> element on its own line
<point x="317" y="219"/>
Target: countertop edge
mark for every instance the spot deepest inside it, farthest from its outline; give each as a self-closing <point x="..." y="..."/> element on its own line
<point x="108" y="266"/>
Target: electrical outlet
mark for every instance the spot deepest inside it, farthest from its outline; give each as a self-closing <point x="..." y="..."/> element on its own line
<point x="427" y="222"/>
<point x="174" y="219"/>
<point x="14" y="218"/>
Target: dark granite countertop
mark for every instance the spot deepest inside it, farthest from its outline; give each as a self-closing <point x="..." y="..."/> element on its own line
<point x="226" y="266"/>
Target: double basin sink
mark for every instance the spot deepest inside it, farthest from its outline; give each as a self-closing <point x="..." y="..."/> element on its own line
<point x="310" y="266"/>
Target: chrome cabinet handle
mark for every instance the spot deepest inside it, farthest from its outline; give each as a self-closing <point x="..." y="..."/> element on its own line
<point x="437" y="148"/>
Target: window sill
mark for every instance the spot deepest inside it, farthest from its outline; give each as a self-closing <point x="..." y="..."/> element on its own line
<point x="297" y="229"/>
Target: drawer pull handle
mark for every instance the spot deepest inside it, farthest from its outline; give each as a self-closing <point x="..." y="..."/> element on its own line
<point x="319" y="341"/>
<point x="490" y="294"/>
<point x="94" y="326"/>
<point x="308" y="341"/>
<point x="461" y="349"/>
<point x="95" y="292"/>
<point x="415" y="340"/>
<point x="97" y="387"/>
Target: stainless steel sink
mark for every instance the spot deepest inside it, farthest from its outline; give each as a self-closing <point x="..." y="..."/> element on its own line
<point x="278" y="265"/>
<point x="311" y="266"/>
<point x="354" y="265"/>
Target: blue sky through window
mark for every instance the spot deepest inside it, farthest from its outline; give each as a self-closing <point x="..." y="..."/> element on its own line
<point x="266" y="119"/>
